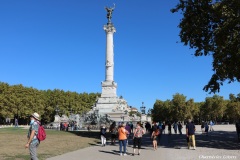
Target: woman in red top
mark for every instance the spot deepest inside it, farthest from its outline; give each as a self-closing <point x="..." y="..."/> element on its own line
<point x="122" y="137"/>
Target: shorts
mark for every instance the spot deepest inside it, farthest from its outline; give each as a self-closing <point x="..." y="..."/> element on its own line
<point x="137" y="142"/>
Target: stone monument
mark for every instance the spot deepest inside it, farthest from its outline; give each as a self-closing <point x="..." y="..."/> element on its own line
<point x="109" y="103"/>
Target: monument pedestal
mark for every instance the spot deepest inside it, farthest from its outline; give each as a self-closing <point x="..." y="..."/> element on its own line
<point x="106" y="105"/>
<point x="109" y="89"/>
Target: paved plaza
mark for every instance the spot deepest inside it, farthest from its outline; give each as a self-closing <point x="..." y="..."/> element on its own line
<point x="219" y="144"/>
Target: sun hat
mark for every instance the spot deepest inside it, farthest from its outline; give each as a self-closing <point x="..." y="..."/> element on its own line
<point x="36" y="116"/>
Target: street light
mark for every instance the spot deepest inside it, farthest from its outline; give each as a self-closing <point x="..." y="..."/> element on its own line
<point x="142" y="108"/>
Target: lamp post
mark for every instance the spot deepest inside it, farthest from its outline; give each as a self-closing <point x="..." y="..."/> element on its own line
<point x="142" y="108"/>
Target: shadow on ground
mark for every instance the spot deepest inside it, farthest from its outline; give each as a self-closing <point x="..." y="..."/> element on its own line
<point x="215" y="139"/>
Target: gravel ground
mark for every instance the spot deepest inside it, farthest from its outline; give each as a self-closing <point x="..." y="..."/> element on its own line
<point x="219" y="144"/>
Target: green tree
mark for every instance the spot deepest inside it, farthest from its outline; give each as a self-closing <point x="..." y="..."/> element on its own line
<point x="233" y="108"/>
<point x="19" y="101"/>
<point x="192" y="110"/>
<point x="213" y="108"/>
<point x="212" y="28"/>
<point x="179" y="107"/>
<point x="162" y="111"/>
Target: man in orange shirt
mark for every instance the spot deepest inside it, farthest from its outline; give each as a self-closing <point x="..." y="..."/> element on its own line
<point x="122" y="137"/>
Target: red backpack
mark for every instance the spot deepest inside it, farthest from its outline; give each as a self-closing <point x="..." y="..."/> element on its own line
<point x="41" y="133"/>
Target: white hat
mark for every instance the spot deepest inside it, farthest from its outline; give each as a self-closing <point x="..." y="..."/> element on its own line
<point x="36" y="116"/>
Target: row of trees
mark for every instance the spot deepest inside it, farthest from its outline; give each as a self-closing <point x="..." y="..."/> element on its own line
<point x="17" y="101"/>
<point x="213" y="108"/>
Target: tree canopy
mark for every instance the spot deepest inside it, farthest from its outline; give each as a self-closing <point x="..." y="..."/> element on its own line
<point x="213" y="108"/>
<point x="212" y="27"/>
<point x="19" y="101"/>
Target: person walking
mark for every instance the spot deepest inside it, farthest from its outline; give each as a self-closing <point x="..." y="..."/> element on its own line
<point x="131" y="125"/>
<point x="206" y="128"/>
<point x="16" y="122"/>
<point x="169" y="128"/>
<point x="211" y="125"/>
<point x="148" y="127"/>
<point x="128" y="128"/>
<point x="175" y="127"/>
<point x="154" y="127"/>
<point x="137" y="138"/>
<point x="238" y="129"/>
<point x="154" y="139"/>
<point x="113" y="130"/>
<point x="163" y="128"/>
<point x="160" y="131"/>
<point x="103" y="131"/>
<point x="122" y="137"/>
<point x="190" y="132"/>
<point x="33" y="142"/>
<point x="202" y="127"/>
<point x="180" y="128"/>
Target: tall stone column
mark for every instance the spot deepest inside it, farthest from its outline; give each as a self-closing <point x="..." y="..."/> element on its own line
<point x="109" y="86"/>
<point x="110" y="30"/>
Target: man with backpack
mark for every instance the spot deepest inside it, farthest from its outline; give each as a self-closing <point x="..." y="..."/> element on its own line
<point x="32" y="136"/>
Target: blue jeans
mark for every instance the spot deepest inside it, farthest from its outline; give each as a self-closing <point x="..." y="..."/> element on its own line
<point x="122" y="143"/>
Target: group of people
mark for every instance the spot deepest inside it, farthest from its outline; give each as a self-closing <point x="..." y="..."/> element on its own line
<point x="64" y="126"/>
<point x="205" y="127"/>
<point x="123" y="132"/>
<point x="177" y="127"/>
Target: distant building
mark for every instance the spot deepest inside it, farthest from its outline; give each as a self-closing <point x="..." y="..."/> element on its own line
<point x="133" y="109"/>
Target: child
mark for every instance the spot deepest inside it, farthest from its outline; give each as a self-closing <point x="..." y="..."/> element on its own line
<point x="154" y="139"/>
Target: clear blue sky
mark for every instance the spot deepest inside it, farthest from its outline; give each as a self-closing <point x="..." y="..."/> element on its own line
<point x="60" y="44"/>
